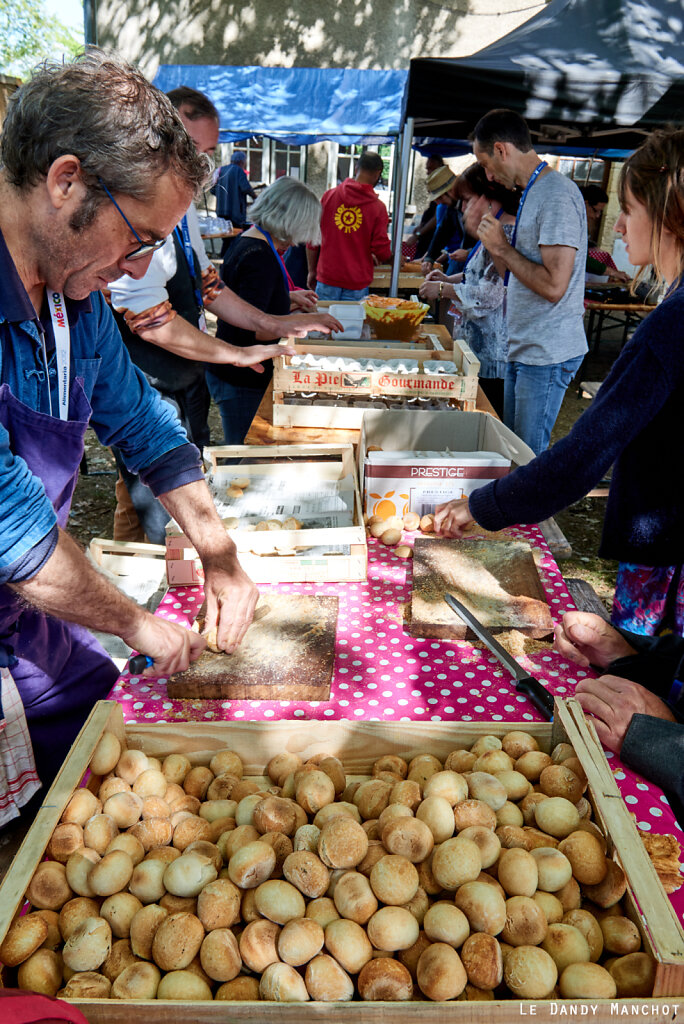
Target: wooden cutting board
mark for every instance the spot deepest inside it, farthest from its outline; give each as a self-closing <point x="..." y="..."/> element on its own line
<point x="496" y="580"/>
<point x="287" y="654"/>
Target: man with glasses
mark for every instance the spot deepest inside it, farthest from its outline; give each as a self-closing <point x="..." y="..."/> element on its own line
<point x="95" y="164"/>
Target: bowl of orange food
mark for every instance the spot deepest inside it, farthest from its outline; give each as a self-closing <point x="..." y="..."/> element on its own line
<point x="393" y="318"/>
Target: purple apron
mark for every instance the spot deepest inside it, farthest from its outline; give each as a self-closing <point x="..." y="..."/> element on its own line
<point x="61" y="669"/>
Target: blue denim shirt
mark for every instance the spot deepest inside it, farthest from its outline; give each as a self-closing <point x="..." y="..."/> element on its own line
<point x="126" y="412"/>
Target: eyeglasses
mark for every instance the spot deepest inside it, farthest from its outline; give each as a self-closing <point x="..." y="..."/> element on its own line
<point x="145" y="248"/>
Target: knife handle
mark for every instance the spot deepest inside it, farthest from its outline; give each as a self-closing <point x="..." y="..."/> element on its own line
<point x="138" y="663"/>
<point x="537" y="695"/>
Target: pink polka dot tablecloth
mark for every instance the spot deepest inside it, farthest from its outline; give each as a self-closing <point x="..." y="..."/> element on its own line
<point x="383" y="674"/>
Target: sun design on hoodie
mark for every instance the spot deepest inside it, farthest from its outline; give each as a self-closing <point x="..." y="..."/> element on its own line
<point x="348" y="218"/>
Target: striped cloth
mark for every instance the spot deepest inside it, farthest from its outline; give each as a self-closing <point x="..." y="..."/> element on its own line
<point x="18" y="777"/>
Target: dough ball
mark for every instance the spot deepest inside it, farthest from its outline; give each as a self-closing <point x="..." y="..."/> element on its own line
<point x="281" y="983"/>
<point x="183" y="985"/>
<point x="386" y="980"/>
<point x="220" y="955"/>
<point x="530" y="972"/>
<point x="300" y="941"/>
<point x="440" y="972"/>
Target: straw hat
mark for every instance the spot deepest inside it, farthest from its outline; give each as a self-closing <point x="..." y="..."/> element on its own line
<point x="440" y="181"/>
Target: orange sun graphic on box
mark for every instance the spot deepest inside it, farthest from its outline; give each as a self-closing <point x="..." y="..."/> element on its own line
<point x="348" y="218"/>
<point x="385" y="507"/>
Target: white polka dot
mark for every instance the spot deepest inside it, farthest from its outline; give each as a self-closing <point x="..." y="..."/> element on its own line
<point x="630" y="799"/>
<point x="645" y="826"/>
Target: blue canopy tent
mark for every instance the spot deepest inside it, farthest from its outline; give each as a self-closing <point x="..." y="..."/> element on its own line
<point x="297" y="106"/>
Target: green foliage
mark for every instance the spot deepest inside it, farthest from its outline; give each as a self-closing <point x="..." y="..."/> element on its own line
<point x="28" y="35"/>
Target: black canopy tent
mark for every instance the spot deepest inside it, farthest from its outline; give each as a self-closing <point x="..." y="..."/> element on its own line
<point x="583" y="73"/>
<point x="587" y="75"/>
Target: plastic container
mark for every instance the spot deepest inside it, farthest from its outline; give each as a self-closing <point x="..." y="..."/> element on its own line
<point x="351" y="317"/>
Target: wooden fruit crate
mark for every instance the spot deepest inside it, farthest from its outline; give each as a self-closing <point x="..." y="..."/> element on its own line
<point x="124" y="558"/>
<point x="346" y="555"/>
<point x="460" y="387"/>
<point x="358" y="744"/>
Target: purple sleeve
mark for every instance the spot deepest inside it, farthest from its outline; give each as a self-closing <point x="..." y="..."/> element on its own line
<point x="173" y="469"/>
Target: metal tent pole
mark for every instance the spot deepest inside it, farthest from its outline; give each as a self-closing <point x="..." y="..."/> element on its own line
<point x="400" y="203"/>
<point x="90" y="22"/>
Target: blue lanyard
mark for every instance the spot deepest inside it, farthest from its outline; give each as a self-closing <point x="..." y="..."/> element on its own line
<point x="478" y="244"/>
<point x="183" y="233"/>
<point x="277" y="255"/>
<point x="533" y="177"/>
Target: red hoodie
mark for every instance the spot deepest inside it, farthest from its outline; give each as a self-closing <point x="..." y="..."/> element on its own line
<point x="353" y="226"/>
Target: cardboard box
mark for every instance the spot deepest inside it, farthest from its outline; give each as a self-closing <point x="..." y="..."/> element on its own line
<point x="401" y="486"/>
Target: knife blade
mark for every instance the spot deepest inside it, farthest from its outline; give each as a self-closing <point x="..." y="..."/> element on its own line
<point x="536" y="693"/>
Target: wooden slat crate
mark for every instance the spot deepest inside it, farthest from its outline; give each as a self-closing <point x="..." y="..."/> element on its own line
<point x="116" y="556"/>
<point x="323" y="462"/>
<point x="460" y="387"/>
<point x="358" y="744"/>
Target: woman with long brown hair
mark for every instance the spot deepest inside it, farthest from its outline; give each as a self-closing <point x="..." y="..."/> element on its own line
<point x="634" y="424"/>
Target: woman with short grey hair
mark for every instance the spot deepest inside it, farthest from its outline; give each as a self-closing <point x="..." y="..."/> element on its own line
<point x="287" y="213"/>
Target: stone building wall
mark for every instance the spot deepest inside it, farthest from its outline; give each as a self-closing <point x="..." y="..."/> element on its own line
<point x="304" y="33"/>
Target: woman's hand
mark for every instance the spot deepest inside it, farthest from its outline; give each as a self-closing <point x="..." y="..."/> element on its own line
<point x="299" y="324"/>
<point x="613" y="701"/>
<point x="587" y="639"/>
<point x="432" y="289"/>
<point x="436" y="275"/>
<point x="459" y="255"/>
<point x="304" y="300"/>
<point x="452" y="518"/>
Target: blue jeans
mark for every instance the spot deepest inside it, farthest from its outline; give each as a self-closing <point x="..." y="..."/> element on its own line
<point x="533" y="397"/>
<point x="333" y="294"/>
<point x="237" y="406"/>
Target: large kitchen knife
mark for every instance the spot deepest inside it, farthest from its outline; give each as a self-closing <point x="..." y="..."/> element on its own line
<point x="524" y="683"/>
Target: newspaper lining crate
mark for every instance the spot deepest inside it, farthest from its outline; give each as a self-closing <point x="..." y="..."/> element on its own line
<point x="358" y="744"/>
<point x="329" y="555"/>
<point x="367" y="385"/>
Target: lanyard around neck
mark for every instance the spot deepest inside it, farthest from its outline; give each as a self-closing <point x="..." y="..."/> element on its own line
<point x="533" y="177"/>
<point x="183" y="232"/>
<point x="60" y="329"/>
<point x="283" y="268"/>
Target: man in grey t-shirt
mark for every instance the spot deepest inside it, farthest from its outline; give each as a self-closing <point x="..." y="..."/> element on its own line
<point x="545" y="265"/>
